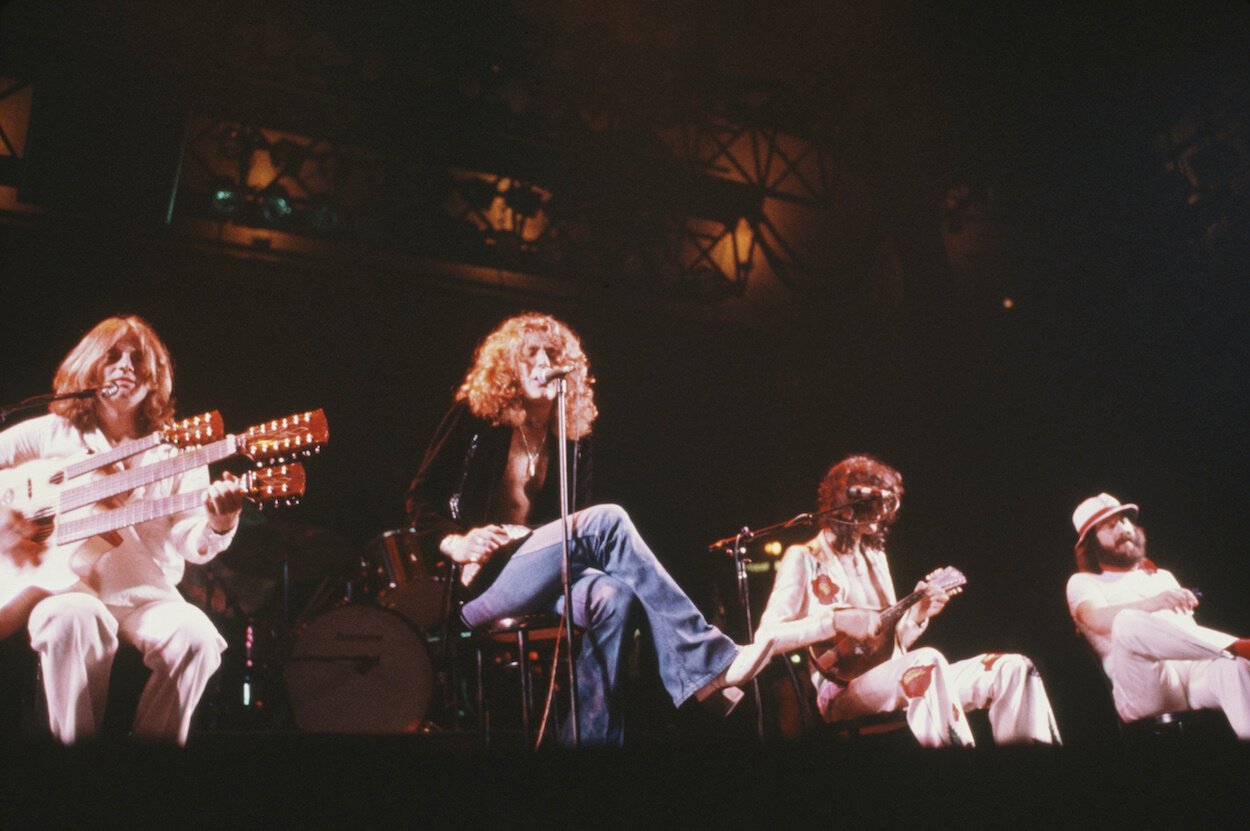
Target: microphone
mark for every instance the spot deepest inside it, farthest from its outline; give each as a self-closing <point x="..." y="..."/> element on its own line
<point x="546" y="376"/>
<point x="107" y="391"/>
<point x="886" y="497"/>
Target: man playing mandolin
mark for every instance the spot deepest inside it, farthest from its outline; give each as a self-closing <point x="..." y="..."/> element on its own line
<point x="129" y="593"/>
<point x="834" y="595"/>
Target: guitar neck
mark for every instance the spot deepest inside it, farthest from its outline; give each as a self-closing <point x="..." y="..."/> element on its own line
<point x="128" y="480"/>
<point x="141" y="510"/>
<point x="122" y="451"/>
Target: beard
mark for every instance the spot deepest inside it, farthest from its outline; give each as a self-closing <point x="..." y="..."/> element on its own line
<point x="1128" y="551"/>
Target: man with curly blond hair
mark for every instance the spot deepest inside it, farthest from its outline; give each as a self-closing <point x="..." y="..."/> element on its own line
<point x="487" y="497"/>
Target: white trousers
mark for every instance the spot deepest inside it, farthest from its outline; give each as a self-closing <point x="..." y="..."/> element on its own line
<point x="936" y="694"/>
<point x="1160" y="663"/>
<point x="76" y="637"/>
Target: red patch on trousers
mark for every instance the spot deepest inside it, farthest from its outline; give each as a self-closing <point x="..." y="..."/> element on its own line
<point x="990" y="659"/>
<point x="824" y="589"/>
<point x="915" y="681"/>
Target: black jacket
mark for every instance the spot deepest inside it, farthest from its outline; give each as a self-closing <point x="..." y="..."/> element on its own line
<point x="455" y="487"/>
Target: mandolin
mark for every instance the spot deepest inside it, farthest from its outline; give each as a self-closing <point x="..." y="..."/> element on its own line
<point x="843" y="658"/>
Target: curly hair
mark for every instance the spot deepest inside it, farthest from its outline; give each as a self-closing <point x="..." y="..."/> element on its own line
<point x="834" y="490"/>
<point x="83" y="368"/>
<point x="493" y="390"/>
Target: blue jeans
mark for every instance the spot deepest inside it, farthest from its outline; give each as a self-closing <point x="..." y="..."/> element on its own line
<point x="614" y="574"/>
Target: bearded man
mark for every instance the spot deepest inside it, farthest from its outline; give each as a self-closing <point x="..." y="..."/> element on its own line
<point x="1140" y="621"/>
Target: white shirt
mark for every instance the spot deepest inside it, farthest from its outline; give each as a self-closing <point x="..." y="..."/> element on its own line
<point x="1113" y="588"/>
<point x="149" y="562"/>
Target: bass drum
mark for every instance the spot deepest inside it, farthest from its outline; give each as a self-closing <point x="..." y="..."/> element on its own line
<point x="359" y="669"/>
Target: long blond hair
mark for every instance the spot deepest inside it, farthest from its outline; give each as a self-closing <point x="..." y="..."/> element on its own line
<point x="493" y="390"/>
<point x="83" y="368"/>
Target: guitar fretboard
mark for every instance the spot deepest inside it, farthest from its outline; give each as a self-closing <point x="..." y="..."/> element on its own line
<point x="141" y="510"/>
<point x="128" y="480"/>
<point x="122" y="451"/>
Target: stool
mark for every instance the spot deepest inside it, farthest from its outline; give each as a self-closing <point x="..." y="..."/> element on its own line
<point x="874" y="724"/>
<point x="1209" y="724"/>
<point x="520" y="631"/>
<point x="798" y="716"/>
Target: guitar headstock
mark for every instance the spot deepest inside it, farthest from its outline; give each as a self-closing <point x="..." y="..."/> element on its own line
<point x="194" y="431"/>
<point x="287" y="438"/>
<point x="277" y="486"/>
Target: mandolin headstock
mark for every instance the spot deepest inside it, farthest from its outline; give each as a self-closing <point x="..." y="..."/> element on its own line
<point x="949" y="578"/>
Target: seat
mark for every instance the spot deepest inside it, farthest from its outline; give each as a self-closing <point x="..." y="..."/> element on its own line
<point x="518" y="644"/>
<point x="1206" y="723"/>
<point x="510" y="645"/>
<point x="797" y="715"/>
<point x="24" y="704"/>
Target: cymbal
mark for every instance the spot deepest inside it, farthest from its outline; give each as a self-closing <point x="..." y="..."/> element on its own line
<point x="309" y="551"/>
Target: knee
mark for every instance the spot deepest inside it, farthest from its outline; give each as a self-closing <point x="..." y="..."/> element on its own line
<point x="1128" y="626"/>
<point x="194" y="641"/>
<point x="927" y="655"/>
<point x="1012" y="665"/>
<point x="72" y="620"/>
<point x="607" y="517"/>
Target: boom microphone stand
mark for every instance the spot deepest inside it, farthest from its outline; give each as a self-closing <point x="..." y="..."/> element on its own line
<point x="736" y="545"/>
<point x="47" y="398"/>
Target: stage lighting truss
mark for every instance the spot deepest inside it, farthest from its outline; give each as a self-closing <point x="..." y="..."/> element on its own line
<point x="259" y="178"/>
<point x="753" y="178"/>
<point x="15" y="100"/>
<point x="1206" y="152"/>
<point x="692" y="214"/>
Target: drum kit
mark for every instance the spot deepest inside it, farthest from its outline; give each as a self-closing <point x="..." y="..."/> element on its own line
<point x="359" y="654"/>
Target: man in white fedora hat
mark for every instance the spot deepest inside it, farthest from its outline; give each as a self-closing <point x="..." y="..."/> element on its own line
<point x="1140" y="621"/>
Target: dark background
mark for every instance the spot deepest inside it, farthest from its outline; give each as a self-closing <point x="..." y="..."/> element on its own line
<point x="1120" y="366"/>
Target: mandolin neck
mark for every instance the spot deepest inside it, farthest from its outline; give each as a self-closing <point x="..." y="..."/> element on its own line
<point x="890" y="617"/>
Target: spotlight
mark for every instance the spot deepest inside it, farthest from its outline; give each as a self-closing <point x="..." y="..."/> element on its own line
<point x="275" y="205"/>
<point x="226" y="198"/>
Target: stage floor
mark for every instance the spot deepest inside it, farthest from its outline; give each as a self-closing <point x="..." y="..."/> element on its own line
<point x="297" y="780"/>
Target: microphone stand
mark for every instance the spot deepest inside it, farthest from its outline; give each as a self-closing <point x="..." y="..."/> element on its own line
<point x="562" y="432"/>
<point x="40" y="400"/>
<point x="736" y="545"/>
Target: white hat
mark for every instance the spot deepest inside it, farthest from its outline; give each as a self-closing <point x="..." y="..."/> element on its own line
<point x="1094" y="510"/>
